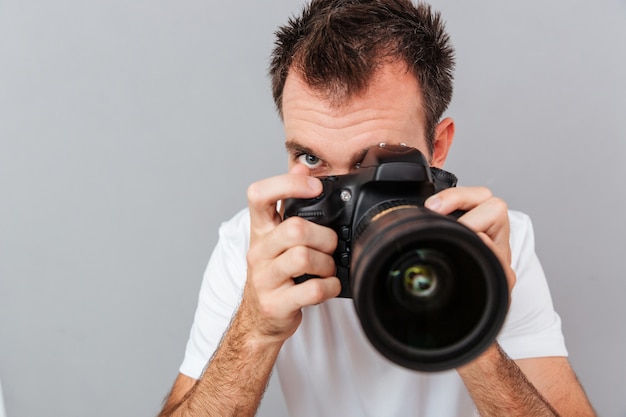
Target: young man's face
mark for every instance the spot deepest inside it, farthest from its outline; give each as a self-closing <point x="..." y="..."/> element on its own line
<point x="332" y="140"/>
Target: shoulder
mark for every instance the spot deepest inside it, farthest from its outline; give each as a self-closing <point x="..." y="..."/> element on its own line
<point x="521" y="225"/>
<point x="532" y="328"/>
<point x="236" y="224"/>
<point x="226" y="270"/>
<point x="235" y="232"/>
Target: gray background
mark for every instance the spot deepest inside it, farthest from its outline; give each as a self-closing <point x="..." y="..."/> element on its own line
<point x="130" y="129"/>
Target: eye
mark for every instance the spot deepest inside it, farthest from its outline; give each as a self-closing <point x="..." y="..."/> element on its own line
<point x="311" y="161"/>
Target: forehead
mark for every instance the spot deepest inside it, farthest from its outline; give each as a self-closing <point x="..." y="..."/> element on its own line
<point x="389" y="110"/>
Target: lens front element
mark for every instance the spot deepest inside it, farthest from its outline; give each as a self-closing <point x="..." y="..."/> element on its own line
<point x="419" y="280"/>
<point x="416" y="275"/>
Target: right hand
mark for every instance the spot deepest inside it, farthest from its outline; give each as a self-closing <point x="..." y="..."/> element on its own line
<point x="282" y="250"/>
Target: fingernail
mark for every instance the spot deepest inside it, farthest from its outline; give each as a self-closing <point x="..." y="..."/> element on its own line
<point x="433" y="203"/>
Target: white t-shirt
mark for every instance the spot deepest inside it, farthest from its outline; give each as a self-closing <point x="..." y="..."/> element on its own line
<point x="329" y="368"/>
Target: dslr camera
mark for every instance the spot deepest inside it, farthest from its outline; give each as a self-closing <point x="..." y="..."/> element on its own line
<point x="430" y="295"/>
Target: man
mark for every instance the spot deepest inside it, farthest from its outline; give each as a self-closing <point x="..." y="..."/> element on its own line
<point x="348" y="75"/>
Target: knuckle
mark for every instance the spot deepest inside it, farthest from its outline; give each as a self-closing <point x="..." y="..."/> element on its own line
<point x="486" y="192"/>
<point x="329" y="267"/>
<point x="300" y="259"/>
<point x="252" y="257"/>
<point x="316" y="291"/>
<point x="254" y="192"/>
<point x="499" y="205"/>
<point x="332" y="239"/>
<point x="295" y="229"/>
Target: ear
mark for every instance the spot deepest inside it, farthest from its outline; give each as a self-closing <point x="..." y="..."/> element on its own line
<point x="444" y="136"/>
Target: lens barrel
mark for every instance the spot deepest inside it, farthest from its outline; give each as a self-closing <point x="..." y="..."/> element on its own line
<point x="429" y="293"/>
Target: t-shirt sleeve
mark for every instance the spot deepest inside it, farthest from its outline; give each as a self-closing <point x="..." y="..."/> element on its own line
<point x="532" y="327"/>
<point x="220" y="294"/>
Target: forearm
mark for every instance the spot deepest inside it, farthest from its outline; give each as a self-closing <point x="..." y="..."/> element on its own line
<point x="499" y="388"/>
<point x="235" y="379"/>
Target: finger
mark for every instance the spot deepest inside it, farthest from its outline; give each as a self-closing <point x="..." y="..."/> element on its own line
<point x="263" y="196"/>
<point x="505" y="260"/>
<point x="285" y="306"/>
<point x="457" y="198"/>
<point x="491" y="222"/>
<point x="296" y="169"/>
<point x="295" y="231"/>
<point x="301" y="260"/>
<point x="313" y="291"/>
<point x="490" y="217"/>
<point x="486" y="215"/>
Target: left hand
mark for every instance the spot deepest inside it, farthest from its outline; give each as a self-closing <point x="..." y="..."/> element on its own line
<point x="485" y="214"/>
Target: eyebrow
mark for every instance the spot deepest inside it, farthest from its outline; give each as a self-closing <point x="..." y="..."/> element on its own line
<point x="293" y="146"/>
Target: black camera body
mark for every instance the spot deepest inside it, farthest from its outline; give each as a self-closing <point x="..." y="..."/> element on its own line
<point x="430" y="295"/>
<point x="388" y="176"/>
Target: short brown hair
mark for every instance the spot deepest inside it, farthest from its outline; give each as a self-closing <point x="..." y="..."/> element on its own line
<point x="337" y="45"/>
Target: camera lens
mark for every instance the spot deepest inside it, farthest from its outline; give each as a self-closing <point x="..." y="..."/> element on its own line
<point x="419" y="280"/>
<point x="428" y="292"/>
<point x="416" y="275"/>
